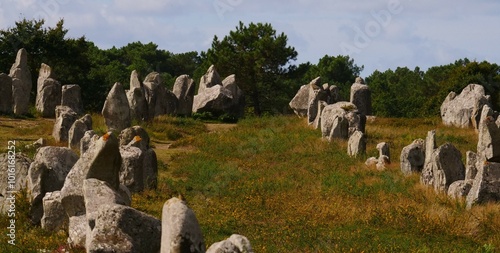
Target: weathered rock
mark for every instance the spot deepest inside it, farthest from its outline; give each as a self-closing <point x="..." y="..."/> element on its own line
<point x="300" y="102"/>
<point x="78" y="129"/>
<point x="65" y="117"/>
<point x="371" y="161"/>
<point x="12" y="179"/>
<point x="131" y="171"/>
<point x="238" y="105"/>
<point x="47" y="173"/>
<point x="412" y="157"/>
<point x="316" y="94"/>
<point x="340" y="128"/>
<point x="317" y="121"/>
<point x="357" y="144"/>
<point x="464" y="110"/>
<point x="128" y="134"/>
<point x="470" y="165"/>
<point x="120" y="228"/>
<point x="210" y="79"/>
<point x="54" y="217"/>
<point x="334" y="95"/>
<point x="21" y="83"/>
<point x="234" y="244"/>
<point x="88" y="138"/>
<point x="382" y="162"/>
<point x="340" y="112"/>
<point x="134" y="80"/>
<point x="150" y="166"/>
<point x="361" y="96"/>
<point x="430" y="146"/>
<point x="153" y="91"/>
<point x="216" y="99"/>
<point x="77" y="230"/>
<point x="169" y="103"/>
<point x="116" y="110"/>
<point x="37" y="144"/>
<point x="180" y="229"/>
<point x="138" y="104"/>
<point x="460" y="188"/>
<point x="48" y="94"/>
<point x="357" y="121"/>
<point x="72" y="97"/>
<point x="383" y="149"/>
<point x="488" y="146"/>
<point x="184" y="91"/>
<point x="5" y="93"/>
<point x="486" y="186"/>
<point x="445" y="167"/>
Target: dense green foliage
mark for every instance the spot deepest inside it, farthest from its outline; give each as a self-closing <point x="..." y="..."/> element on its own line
<point x="261" y="59"/>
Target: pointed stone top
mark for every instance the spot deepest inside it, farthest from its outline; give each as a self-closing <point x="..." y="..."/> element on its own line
<point x="359" y="80"/>
<point x="134" y="80"/>
<point x="316" y="83"/>
<point x="21" y="59"/>
<point x="153" y="77"/>
<point x="210" y="79"/>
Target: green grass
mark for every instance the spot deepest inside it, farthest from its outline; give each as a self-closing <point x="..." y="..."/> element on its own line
<point x="274" y="180"/>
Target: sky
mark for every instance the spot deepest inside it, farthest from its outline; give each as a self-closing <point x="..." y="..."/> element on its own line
<point x="378" y="34"/>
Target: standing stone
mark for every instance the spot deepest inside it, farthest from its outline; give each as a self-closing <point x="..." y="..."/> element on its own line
<point x="88" y="138"/>
<point x="48" y="94"/>
<point x="486" y="186"/>
<point x="460" y="188"/>
<point x="238" y="105"/>
<point x="316" y="93"/>
<point x="180" y="229"/>
<point x="334" y="95"/>
<point x="215" y="99"/>
<point x="234" y="244"/>
<point x="134" y="80"/>
<point x="210" y="79"/>
<point x="131" y="171"/>
<point x="339" y="128"/>
<point x="154" y="93"/>
<point x="357" y="144"/>
<point x="138" y="104"/>
<point x="470" y="165"/>
<point x="5" y="93"/>
<point x="72" y="97"/>
<point x="464" y="110"/>
<point x="488" y="146"/>
<point x="20" y="171"/>
<point x="342" y="111"/>
<point x="317" y="121"/>
<point x="128" y="134"/>
<point x="430" y="146"/>
<point x="169" y="103"/>
<point x="54" y="217"/>
<point x="361" y="96"/>
<point x="21" y="83"/>
<point x="65" y="117"/>
<point x="47" y="174"/>
<point x="184" y="91"/>
<point x="299" y="103"/>
<point x="383" y="149"/>
<point x="116" y="110"/>
<point x="445" y="167"/>
<point x="78" y="129"/>
<point x="412" y="157"/>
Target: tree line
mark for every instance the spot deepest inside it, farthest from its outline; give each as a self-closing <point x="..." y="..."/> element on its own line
<point x="261" y="59"/>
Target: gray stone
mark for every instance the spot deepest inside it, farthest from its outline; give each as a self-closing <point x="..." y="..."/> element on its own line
<point x="340" y="128"/>
<point x="488" y="146"/>
<point x="12" y="179"/>
<point x="78" y="129"/>
<point x="54" y="217"/>
<point x="383" y="149"/>
<point x="238" y="104"/>
<point x="47" y="173"/>
<point x="116" y="110"/>
<point x="317" y="121"/>
<point x="412" y="157"/>
<point x="357" y="144"/>
<point x="150" y="171"/>
<point x="180" y="229"/>
<point x="184" y="91"/>
<point x="48" y="94"/>
<point x="210" y="79"/>
<point x="72" y="97"/>
<point x="334" y="94"/>
<point x="382" y="162"/>
<point x="215" y="99"/>
<point x="132" y="170"/>
<point x="134" y="80"/>
<point x="153" y="91"/>
<point x="21" y="83"/>
<point x="88" y="138"/>
<point x="445" y="167"/>
<point x="299" y="103"/>
<point x="120" y="228"/>
<point x="65" y="117"/>
<point x="5" y="93"/>
<point x="77" y="230"/>
<point x="486" y="186"/>
<point x="430" y="145"/>
<point x="464" y="110"/>
<point x="138" y="104"/>
<point x="316" y="94"/>
<point x="371" y="161"/>
<point x="460" y="188"/>
<point x="361" y="97"/>
<point x="234" y="244"/>
<point x="128" y="134"/>
<point x="340" y="113"/>
<point x="470" y="165"/>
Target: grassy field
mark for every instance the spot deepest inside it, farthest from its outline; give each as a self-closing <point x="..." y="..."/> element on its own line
<point x="274" y="180"/>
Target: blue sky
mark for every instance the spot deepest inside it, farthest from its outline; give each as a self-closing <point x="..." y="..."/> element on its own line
<point x="379" y="34"/>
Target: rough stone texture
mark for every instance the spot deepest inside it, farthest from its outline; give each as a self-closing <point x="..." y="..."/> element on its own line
<point x="383" y="149"/>
<point x="77" y="230"/>
<point x="430" y="146"/>
<point x="412" y="157"/>
<point x="317" y="121"/>
<point x="21" y="83"/>
<point x="48" y="94"/>
<point x="357" y="144"/>
<point x="116" y="110"/>
<point x="340" y="112"/>
<point x="88" y="138"/>
<point x="340" y="128"/>
<point x="460" y="188"/>
<point x="47" y="173"/>
<point x="5" y="93"/>
<point x="486" y="186"/>
<point x="134" y="80"/>
<point x="153" y="91"/>
<point x="132" y="170"/>
<point x="37" y="144"/>
<point x="470" y="165"/>
<point x="20" y="171"/>
<point x="316" y="94"/>
<point x="234" y="244"/>
<point x="150" y="171"/>
<point x="127" y="135"/>
<point x="357" y="121"/>
<point x="334" y="95"/>
<point x="213" y="99"/>
<point x="184" y="91"/>
<point x="361" y="96"/>
<point x="238" y="104"/>
<point x="371" y="161"/>
<point x="210" y="79"/>
<point x="445" y="167"/>
<point x="54" y="217"/>
<point x="382" y="161"/>
<point x="65" y="117"/>
<point x="299" y="103"/>
<point x="464" y="110"/>
<point x="180" y="229"/>
<point x="138" y="104"/>
<point x="120" y="228"/>
<point x="72" y="97"/>
<point x="488" y="146"/>
<point x="78" y="129"/>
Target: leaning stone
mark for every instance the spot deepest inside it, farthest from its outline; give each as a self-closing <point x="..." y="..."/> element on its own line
<point x="54" y="217"/>
<point x="234" y="244"/>
<point x="464" y="110"/>
<point x="120" y="228"/>
<point x="486" y="186"/>
<point x="6" y="93"/>
<point x="357" y="144"/>
<point x="445" y="167"/>
<point x="72" y="97"/>
<point x="180" y="229"/>
<point x="78" y="129"/>
<point x="460" y="188"/>
<point x="65" y="117"/>
<point x="299" y="103"/>
<point x="488" y="146"/>
<point x="116" y="110"/>
<point x="21" y="83"/>
<point x="184" y="91"/>
<point x="20" y="171"/>
<point x="412" y="157"/>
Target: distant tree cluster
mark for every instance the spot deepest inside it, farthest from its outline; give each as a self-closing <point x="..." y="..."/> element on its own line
<point x="260" y="58"/>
